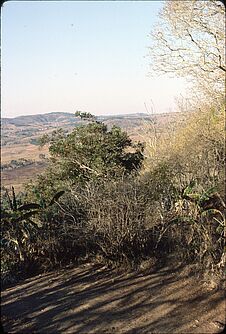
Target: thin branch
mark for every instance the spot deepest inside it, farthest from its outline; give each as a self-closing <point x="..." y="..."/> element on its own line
<point x="192" y="39"/>
<point x="82" y="166"/>
<point x="220" y="66"/>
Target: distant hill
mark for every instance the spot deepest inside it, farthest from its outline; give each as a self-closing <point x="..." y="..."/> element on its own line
<point x="40" y="119"/>
<point x="59" y="117"/>
<point x="20" y="138"/>
<point x="62" y="117"/>
<point x="27" y="129"/>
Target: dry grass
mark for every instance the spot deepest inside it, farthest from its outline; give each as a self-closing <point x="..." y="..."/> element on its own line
<point x="19" y="176"/>
<point x="27" y="151"/>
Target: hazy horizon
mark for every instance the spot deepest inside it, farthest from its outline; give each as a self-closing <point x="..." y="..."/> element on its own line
<point x="89" y="56"/>
<point x="115" y="114"/>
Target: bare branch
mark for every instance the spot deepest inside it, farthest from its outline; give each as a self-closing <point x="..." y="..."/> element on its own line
<point x="189" y="42"/>
<point x="82" y="166"/>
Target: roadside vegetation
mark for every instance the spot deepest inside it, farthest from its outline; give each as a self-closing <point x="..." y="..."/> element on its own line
<point x="105" y="198"/>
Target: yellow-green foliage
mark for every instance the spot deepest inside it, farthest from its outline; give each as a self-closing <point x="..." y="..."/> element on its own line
<point x="185" y="168"/>
<point x="194" y="150"/>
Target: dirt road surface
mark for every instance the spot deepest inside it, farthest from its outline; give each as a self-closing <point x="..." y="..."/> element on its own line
<point x="94" y="299"/>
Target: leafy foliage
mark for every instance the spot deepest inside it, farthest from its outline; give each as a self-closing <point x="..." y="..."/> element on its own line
<point x="90" y="151"/>
<point x="19" y="227"/>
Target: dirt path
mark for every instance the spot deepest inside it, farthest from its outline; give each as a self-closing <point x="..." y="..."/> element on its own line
<point x="94" y="299"/>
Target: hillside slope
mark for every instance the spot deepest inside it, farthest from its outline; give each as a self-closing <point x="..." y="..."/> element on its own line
<point x="24" y="129"/>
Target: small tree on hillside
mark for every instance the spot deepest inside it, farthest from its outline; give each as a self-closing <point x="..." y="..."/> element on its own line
<point x="85" y="115"/>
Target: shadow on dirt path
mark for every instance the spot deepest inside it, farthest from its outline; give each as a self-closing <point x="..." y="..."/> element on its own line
<point x="94" y="299"/>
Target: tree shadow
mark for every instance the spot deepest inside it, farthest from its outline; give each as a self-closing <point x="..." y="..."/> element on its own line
<point x="94" y="299"/>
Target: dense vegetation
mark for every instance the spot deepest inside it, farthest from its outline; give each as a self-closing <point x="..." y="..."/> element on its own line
<point x="96" y="199"/>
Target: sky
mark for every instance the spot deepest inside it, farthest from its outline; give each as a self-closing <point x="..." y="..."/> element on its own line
<point x="81" y="55"/>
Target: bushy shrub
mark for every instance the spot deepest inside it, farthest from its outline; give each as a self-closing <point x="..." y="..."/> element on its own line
<point x="188" y="171"/>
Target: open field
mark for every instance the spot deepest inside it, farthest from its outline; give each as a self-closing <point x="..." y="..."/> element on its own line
<point x="19" y="176"/>
<point x="19" y="151"/>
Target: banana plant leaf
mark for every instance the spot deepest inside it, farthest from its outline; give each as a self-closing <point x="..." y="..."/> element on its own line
<point x="56" y="197"/>
<point x="29" y="206"/>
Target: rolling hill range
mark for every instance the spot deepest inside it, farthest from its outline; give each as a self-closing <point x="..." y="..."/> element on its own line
<point x="27" y="129"/>
<point x="22" y="157"/>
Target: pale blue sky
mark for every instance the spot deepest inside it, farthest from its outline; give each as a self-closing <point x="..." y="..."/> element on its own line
<point x="80" y="55"/>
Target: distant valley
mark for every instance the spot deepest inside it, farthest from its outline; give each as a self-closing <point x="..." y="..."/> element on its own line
<point x="22" y="158"/>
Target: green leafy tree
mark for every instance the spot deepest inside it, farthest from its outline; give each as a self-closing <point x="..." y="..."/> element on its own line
<point x="90" y="151"/>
